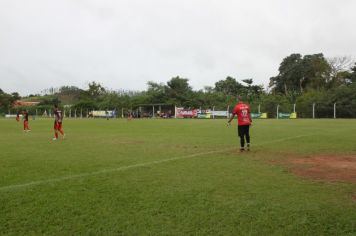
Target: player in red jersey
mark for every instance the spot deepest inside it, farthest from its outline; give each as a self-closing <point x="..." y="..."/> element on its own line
<point x="242" y="111"/>
<point x="58" y="118"/>
<point x="26" y="128"/>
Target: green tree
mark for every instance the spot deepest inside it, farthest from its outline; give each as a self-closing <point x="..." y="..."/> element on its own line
<point x="353" y="74"/>
<point x="7" y="100"/>
<point x="69" y="90"/>
<point x="252" y="92"/>
<point x="95" y="90"/>
<point x="156" y="93"/>
<point x="179" y="91"/>
<point x="290" y="77"/>
<point x="110" y="100"/>
<point x="229" y="86"/>
<point x="297" y="73"/>
<point x="93" y="96"/>
<point x="340" y="68"/>
<point x="316" y="71"/>
<point x="50" y="101"/>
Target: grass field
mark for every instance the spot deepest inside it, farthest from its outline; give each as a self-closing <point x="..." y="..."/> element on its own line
<point x="172" y="177"/>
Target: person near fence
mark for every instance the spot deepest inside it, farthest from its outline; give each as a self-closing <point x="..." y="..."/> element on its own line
<point x="243" y="113"/>
<point x="58" y="119"/>
<point x="26" y="127"/>
<point x="18" y="116"/>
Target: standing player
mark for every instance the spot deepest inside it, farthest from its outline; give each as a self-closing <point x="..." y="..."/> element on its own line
<point x="242" y="111"/>
<point x="26" y="128"/>
<point x="18" y="116"/>
<point x="129" y="116"/>
<point x="58" y="118"/>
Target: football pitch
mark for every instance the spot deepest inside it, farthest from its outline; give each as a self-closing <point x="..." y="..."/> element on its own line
<point x="178" y="177"/>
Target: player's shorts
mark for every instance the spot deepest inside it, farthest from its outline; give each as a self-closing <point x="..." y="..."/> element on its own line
<point x="243" y="130"/>
<point x="57" y="125"/>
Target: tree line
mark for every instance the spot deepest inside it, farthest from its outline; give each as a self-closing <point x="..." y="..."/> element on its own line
<point x="301" y="80"/>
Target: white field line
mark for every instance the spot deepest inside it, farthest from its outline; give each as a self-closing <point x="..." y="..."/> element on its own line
<point x="39" y="182"/>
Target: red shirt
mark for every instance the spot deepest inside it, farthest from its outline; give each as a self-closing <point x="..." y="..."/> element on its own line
<point x="25" y="114"/>
<point x="242" y="111"/>
<point x="58" y="116"/>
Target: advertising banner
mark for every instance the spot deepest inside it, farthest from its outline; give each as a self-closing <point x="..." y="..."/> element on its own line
<point x="12" y="116"/>
<point x="282" y="115"/>
<point x="209" y="114"/>
<point x="103" y="114"/>
<point x="264" y="115"/>
<point x="259" y="115"/>
<point x="186" y="113"/>
<point x="204" y="114"/>
<point x="219" y="113"/>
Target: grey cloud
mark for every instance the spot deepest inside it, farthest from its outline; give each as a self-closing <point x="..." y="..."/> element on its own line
<point x="125" y="43"/>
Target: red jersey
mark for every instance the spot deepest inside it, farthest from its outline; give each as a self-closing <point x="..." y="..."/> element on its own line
<point x="58" y="116"/>
<point x="242" y="111"/>
<point x="25" y="115"/>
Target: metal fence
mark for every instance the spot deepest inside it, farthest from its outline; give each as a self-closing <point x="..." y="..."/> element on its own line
<point x="314" y="111"/>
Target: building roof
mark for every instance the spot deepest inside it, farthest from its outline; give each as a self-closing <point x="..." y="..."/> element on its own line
<point x="20" y="103"/>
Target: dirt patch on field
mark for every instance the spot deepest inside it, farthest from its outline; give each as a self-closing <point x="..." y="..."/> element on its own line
<point x="330" y="168"/>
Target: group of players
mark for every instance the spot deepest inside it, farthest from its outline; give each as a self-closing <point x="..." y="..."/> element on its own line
<point x="58" y="119"/>
<point x="241" y="110"/>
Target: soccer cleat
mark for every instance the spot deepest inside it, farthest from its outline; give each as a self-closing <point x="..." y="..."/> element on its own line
<point x="54" y="139"/>
<point x="242" y="149"/>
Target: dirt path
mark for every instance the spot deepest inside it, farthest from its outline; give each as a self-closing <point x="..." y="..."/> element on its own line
<point x="325" y="167"/>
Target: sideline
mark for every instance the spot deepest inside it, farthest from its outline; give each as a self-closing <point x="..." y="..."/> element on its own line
<point x="39" y="182"/>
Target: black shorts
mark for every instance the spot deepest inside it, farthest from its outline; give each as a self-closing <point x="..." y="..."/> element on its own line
<point x="243" y="130"/>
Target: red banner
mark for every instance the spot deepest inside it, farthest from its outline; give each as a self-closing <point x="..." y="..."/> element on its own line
<point x="186" y="113"/>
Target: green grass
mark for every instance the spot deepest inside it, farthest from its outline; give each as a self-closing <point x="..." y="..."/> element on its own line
<point x="115" y="177"/>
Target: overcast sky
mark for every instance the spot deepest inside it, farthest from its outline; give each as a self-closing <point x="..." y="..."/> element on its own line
<point x="124" y="43"/>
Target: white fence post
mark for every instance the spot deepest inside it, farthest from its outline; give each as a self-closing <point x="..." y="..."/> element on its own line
<point x="277" y="111"/>
<point x="313" y="110"/>
<point x="335" y="110"/>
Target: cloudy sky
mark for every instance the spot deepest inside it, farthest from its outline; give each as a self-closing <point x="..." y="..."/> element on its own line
<point x="125" y="43"/>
